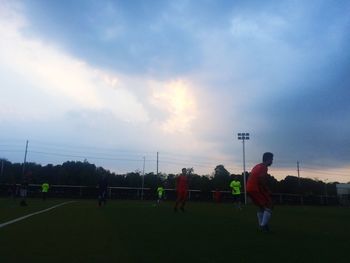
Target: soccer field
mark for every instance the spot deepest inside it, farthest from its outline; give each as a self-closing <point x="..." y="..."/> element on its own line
<point x="135" y="231"/>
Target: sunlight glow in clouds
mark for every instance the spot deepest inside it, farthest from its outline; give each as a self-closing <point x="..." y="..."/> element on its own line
<point x="71" y="88"/>
<point x="176" y="99"/>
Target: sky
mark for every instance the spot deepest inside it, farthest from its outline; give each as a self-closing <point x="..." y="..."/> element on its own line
<point x="115" y="82"/>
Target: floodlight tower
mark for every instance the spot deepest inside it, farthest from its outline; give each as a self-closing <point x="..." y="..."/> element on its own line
<point x="243" y="137"/>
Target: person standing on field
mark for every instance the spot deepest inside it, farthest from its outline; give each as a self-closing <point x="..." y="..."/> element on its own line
<point x="44" y="190"/>
<point x="181" y="190"/>
<point x="160" y="193"/>
<point x="236" y="192"/>
<point x="258" y="191"/>
<point x="102" y="191"/>
<point x="217" y="195"/>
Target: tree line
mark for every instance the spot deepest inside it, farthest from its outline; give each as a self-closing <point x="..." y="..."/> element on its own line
<point x="88" y="174"/>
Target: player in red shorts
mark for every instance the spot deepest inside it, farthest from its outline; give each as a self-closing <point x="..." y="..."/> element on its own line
<point x="259" y="192"/>
<point x="181" y="190"/>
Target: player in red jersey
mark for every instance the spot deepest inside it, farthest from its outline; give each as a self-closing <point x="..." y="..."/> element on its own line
<point x="181" y="190"/>
<point x="259" y="192"/>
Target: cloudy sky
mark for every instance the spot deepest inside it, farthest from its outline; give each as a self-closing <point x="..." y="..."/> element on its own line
<point x="115" y="81"/>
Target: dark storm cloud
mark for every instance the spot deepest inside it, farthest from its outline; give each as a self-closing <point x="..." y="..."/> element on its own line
<point x="314" y="122"/>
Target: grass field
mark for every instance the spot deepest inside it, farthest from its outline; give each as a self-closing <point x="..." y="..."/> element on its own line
<point x="135" y="231"/>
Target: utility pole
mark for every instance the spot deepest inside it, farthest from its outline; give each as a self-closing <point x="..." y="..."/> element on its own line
<point x="325" y="191"/>
<point x="298" y="170"/>
<point x="157" y="162"/>
<point x="299" y="185"/>
<point x="143" y="177"/>
<point x="2" y="167"/>
<point x="25" y="158"/>
<point x="244" y="136"/>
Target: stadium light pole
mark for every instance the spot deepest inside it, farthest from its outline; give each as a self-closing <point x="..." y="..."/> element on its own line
<point x="243" y="136"/>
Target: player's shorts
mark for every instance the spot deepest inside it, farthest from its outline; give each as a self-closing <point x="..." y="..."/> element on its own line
<point x="102" y="194"/>
<point x="236" y="198"/>
<point x="23" y="192"/>
<point x="260" y="199"/>
<point x="182" y="194"/>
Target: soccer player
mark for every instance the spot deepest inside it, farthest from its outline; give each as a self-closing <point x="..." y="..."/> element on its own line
<point x="217" y="195"/>
<point x="102" y="191"/>
<point x="44" y="190"/>
<point x="259" y="192"/>
<point x="160" y="191"/>
<point x="236" y="192"/>
<point x="14" y="190"/>
<point x="181" y="190"/>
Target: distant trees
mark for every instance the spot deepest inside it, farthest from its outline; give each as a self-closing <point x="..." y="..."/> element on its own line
<point x="222" y="178"/>
<point x="85" y="173"/>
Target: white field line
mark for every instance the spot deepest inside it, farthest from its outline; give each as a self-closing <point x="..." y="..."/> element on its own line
<point x="33" y="214"/>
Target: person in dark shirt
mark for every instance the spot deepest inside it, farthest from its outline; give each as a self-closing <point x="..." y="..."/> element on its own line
<point x="102" y="191"/>
<point x="13" y="190"/>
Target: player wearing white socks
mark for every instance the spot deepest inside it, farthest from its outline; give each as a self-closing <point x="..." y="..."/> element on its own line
<point x="259" y="192"/>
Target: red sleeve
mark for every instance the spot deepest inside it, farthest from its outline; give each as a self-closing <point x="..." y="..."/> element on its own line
<point x="262" y="179"/>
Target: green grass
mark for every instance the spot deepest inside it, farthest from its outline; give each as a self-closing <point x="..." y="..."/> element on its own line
<point x="134" y="231"/>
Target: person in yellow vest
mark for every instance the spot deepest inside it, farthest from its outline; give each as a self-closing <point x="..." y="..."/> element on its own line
<point x="236" y="192"/>
<point x="160" y="192"/>
<point x="44" y="190"/>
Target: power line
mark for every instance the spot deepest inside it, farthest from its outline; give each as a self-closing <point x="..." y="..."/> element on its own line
<point x="86" y="156"/>
<point x="94" y="148"/>
<point x="113" y="154"/>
